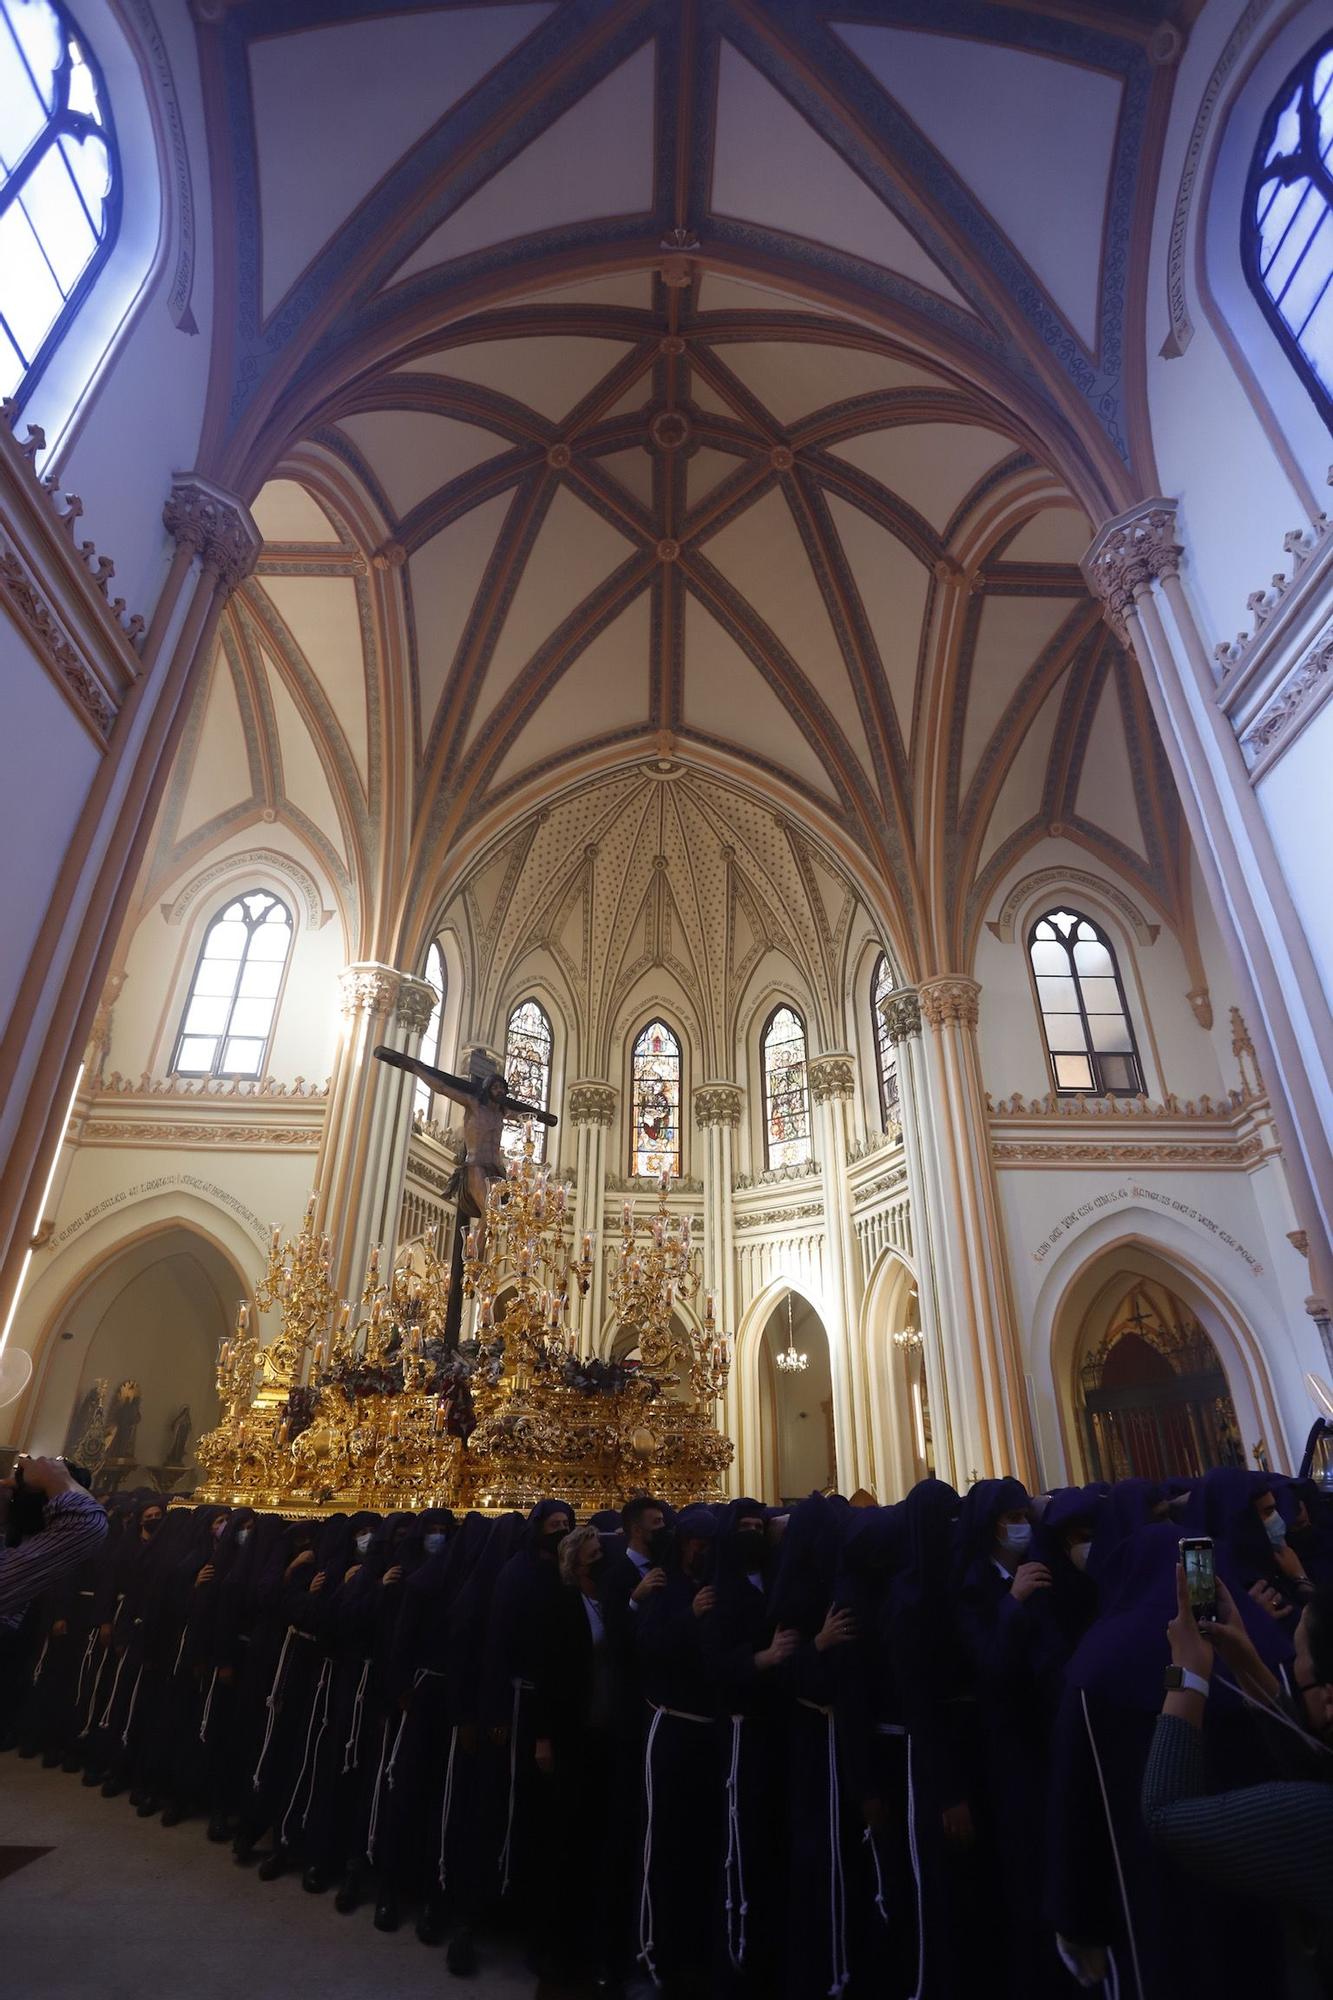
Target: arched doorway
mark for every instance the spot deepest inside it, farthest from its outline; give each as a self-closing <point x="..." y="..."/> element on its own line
<point x="1154" y="1394"/>
<point x="798" y="1439"/>
<point x="132" y="1380"/>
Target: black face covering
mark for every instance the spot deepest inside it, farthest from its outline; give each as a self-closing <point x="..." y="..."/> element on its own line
<point x="751" y="1544"/>
<point x="149" y="1527"/>
<point x="551" y="1540"/>
<point x="660" y="1546"/>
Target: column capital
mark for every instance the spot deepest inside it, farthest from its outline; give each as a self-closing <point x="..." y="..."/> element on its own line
<point x="1130" y="554"/>
<point x="218" y="527"/>
<point x="900" y="1012"/>
<point x="368" y="989"/>
<point x="417" y="1001"/>
<point x="718" y="1103"/>
<point x="949" y="999"/>
<point x="832" y="1075"/>
<point x="591" y="1101"/>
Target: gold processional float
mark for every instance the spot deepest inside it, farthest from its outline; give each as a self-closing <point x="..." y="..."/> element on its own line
<point x="383" y="1409"/>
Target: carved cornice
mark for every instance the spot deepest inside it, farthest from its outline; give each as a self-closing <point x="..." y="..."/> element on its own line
<point x="591" y="1101"/>
<point x="888" y="1184"/>
<point x="368" y="989"/>
<point x="1130" y="554"/>
<point x="800" y="1170"/>
<point x="718" y="1103"/>
<point x="777" y="1218"/>
<point x="951" y="999"/>
<point x="1304" y="690"/>
<point x="1181" y="1153"/>
<point x="1124" y="1108"/>
<point x="901" y="1012"/>
<point x="650" y="1184"/>
<point x="832" y="1076"/>
<point x="231" y="1089"/>
<point x="193" y="1137"/>
<point x="417" y="1000"/>
<point x="217" y="526"/>
<point x="1287" y="599"/>
<point x="874" y="1143"/>
<point x="46" y="635"/>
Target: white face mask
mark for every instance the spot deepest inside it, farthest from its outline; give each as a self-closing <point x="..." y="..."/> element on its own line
<point x="243" y="1535"/>
<point x="363" y="1541"/>
<point x="1275" y="1528"/>
<point x="1016" y="1537"/>
<point x="1078" y="1554"/>
<point x="433" y="1542"/>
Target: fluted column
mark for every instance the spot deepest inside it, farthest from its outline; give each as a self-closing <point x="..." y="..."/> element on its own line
<point x="718" y="1107"/>
<point x="992" y="1428"/>
<point x="590" y="1106"/>
<point x="832" y="1088"/>
<point x="902" y="1016"/>
<point x="1134" y="567"/>
<point x="364" y="1150"/>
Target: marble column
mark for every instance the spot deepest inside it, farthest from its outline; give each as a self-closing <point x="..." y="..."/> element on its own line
<point x="718" y="1106"/>
<point x="364" y="1150"/>
<point x="901" y="1010"/>
<point x="590" y="1107"/>
<point x="832" y="1087"/>
<point x="990" y="1418"/>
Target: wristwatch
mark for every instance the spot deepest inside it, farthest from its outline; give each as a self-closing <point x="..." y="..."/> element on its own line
<point x="1178" y="1678"/>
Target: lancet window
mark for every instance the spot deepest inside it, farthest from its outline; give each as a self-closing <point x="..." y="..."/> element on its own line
<point x="655" y="1080"/>
<point x="423" y="1097"/>
<point x="786" y="1090"/>
<point x="228" y="1020"/>
<point x="886" y="1055"/>
<point x="1287" y="231"/>
<point x="1089" y="1037"/>
<point x="528" y="1046"/>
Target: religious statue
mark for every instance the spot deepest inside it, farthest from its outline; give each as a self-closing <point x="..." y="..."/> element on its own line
<point x="87" y="1437"/>
<point x="486" y="1105"/>
<point x="123" y="1418"/>
<point x="178" y="1430"/>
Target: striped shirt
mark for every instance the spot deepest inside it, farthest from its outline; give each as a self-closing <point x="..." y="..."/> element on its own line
<point x="75" y="1528"/>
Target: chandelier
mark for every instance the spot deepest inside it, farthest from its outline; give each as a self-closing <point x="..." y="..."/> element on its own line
<point x="652" y="1276"/>
<point x="789" y="1361"/>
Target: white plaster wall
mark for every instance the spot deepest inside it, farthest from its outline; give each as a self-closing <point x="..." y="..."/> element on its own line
<point x="1243" y="458"/>
<point x="1296" y="798"/>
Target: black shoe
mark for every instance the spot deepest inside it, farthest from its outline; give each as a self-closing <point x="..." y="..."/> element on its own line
<point x="461" y="1957"/>
<point x="433" y="1924"/>
<point x="243" y="1851"/>
<point x="219" y="1827"/>
<point x="112" y="1787"/>
<point x="71" y="1763"/>
<point x="173" y="1815"/>
<point x="275" y="1864"/>
<point x="27" y="1750"/>
<point x="349" y="1892"/>
<point x="92" y="1776"/>
<point x="148" y="1807"/>
<point x="386" y="1912"/>
<point x="51" y="1760"/>
<point x="315" y="1880"/>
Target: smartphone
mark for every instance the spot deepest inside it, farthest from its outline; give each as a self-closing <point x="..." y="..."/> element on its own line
<point x="1196" y="1554"/>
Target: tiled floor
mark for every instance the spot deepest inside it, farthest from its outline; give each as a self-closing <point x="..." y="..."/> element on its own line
<point x="125" y="1909"/>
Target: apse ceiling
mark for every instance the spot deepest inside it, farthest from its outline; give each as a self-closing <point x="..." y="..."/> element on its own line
<point x="699" y="381"/>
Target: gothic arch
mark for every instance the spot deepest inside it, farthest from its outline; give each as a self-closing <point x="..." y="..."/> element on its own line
<point x="890" y="1376"/>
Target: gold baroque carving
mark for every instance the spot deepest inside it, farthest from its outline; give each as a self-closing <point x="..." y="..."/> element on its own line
<point x="950" y="1000"/>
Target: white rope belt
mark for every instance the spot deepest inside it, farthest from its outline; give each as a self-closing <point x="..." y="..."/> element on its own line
<point x="208" y="1707"/>
<point x="271" y="1703"/>
<point x="738" y="1907"/>
<point x="506" y="1852"/>
<point x="308" y="1762"/>
<point x="352" y="1747"/>
<point x="448" y="1804"/>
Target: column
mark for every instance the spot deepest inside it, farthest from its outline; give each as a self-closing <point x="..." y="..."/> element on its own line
<point x="832" y="1087"/>
<point x="590" y="1107"/>
<point x="364" y="1150"/>
<point x="902" y="1016"/>
<point x="1134" y="567"/>
<point x="990" y="1420"/>
<point x="718" y="1107"/>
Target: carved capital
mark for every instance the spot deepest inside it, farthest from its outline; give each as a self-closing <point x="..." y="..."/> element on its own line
<point x="949" y="1000"/>
<point x="416" y="1003"/>
<point x="1130" y="554"/>
<point x="590" y="1101"/>
<point x="831" y="1076"/>
<point x="368" y="989"/>
<point x="901" y="1014"/>
<point x="718" y="1103"/>
<point x="216" y="525"/>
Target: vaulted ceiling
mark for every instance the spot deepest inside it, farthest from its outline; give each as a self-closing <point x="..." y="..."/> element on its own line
<point x="704" y="380"/>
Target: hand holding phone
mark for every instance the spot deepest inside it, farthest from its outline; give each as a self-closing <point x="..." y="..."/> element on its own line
<point x="1199" y="1564"/>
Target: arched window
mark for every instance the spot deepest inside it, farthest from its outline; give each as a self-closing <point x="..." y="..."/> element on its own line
<point x="1287" y="228"/>
<point x="234" y="992"/>
<point x="59" y="183"/>
<point x="654" y="1146"/>
<point x="786" y="1090"/>
<point x="886" y="1055"/>
<point x="423" y="1097"/>
<point x="1088" y="1033"/>
<point x="528" y="1042"/>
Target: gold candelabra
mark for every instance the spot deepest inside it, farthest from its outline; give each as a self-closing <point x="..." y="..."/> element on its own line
<point x="518" y="1248"/>
<point x="658" y="1270"/>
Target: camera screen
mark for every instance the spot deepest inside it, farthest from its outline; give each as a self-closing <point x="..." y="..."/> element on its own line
<point x="1200" y="1577"/>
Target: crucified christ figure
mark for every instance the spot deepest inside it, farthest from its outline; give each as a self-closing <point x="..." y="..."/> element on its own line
<point x="486" y="1104"/>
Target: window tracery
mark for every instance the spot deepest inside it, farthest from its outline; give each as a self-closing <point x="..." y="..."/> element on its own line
<point x="886" y="1053"/>
<point x="423" y="1097"/>
<point x="655" y="1081"/>
<point x="59" y="183"/>
<point x="1089" y="1038"/>
<point x="786" y="1089"/>
<point x="528" y="1045"/>
<point x="228" y="1019"/>
<point x="1287" y="228"/>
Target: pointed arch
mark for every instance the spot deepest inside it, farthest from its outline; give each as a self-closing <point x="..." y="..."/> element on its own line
<point x="529" y="1049"/>
<point x="783" y="1051"/>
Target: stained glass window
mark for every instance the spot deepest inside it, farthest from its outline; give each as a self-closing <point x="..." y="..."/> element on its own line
<point x="59" y="183"/>
<point x="1287" y="226"/>
<point x="655" y="1102"/>
<point x="234" y="992"/>
<point x="528" y="1042"/>
<point x="1088" y="1033"/>
<point x="786" y="1090"/>
<point x="886" y="1055"/>
<point x="423" y="1097"/>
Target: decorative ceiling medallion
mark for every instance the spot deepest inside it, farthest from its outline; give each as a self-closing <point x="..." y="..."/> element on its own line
<point x="781" y="458"/>
<point x="671" y="343"/>
<point x="668" y="550"/>
<point x="669" y="430"/>
<point x="558" y="457"/>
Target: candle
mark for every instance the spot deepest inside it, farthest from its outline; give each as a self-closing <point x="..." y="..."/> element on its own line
<point x="310" y="1207"/>
<point x="374" y="1260"/>
<point x="326" y="1246"/>
<point x="627" y="1218"/>
<point x="587" y="1247"/>
<point x="488" y="1311"/>
<point x="224" y="1359"/>
<point x="438" y="1424"/>
<point x="709" y="1309"/>
<point x="242" y="1317"/>
<point x="318" y="1361"/>
<point x="394" y="1422"/>
<point x="344" y="1315"/>
<point x="282" y="1432"/>
<point x="277" y="1238"/>
<point x="376" y="1312"/>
